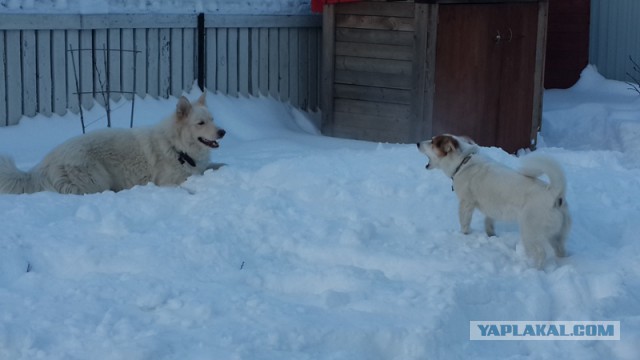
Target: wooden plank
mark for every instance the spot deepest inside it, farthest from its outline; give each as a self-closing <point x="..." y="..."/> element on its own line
<point x="3" y="91"/>
<point x="376" y="94"/>
<point x="176" y="66"/>
<point x="264" y="61"/>
<point x="232" y="70"/>
<point x="368" y="134"/>
<point x="373" y="79"/>
<point x="376" y="51"/>
<point x="538" y="76"/>
<point x="294" y="55"/>
<point x="189" y="59"/>
<point x="283" y="71"/>
<point x="139" y="21"/>
<point x="273" y="62"/>
<point x="372" y="108"/>
<point x="396" y="9"/>
<point x="211" y="59"/>
<point x="243" y="61"/>
<point x="29" y="73"/>
<point x="262" y="21"/>
<point x="73" y="71"/>
<point x="153" y="62"/>
<point x="222" y="63"/>
<point x="255" y="61"/>
<point x="165" y="62"/>
<point x="44" y="78"/>
<point x="393" y="123"/>
<point x="100" y="75"/>
<point x="14" y="77"/>
<point x="382" y="66"/>
<point x="115" y="66"/>
<point x="59" y="71"/>
<point x="375" y="36"/>
<point x="375" y="22"/>
<point x="128" y="62"/>
<point x="141" y="45"/>
<point x="422" y="65"/>
<point x="303" y="66"/>
<point x="38" y="21"/>
<point x="315" y="43"/>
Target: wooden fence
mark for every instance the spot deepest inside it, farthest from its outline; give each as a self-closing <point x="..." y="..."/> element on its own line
<point x="157" y="55"/>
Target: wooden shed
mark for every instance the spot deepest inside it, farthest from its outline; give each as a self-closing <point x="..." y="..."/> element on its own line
<point x="403" y="71"/>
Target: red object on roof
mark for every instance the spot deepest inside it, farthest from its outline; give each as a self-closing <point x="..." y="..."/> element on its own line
<point x="316" y="5"/>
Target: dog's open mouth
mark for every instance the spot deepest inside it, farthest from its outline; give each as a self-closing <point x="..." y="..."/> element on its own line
<point x="210" y="143"/>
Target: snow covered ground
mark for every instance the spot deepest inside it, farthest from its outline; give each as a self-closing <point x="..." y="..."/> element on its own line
<point x="309" y="247"/>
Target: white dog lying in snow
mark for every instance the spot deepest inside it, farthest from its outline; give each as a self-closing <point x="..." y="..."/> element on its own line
<point x="117" y="159"/>
<point x="501" y="193"/>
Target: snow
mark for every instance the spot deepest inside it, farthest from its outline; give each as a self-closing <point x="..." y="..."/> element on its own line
<point x="235" y="7"/>
<point x="310" y="247"/>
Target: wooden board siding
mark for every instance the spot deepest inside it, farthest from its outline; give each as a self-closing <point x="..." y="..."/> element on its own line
<point x="275" y="56"/>
<point x="567" y="42"/>
<point x="372" y="67"/>
<point x="405" y="71"/>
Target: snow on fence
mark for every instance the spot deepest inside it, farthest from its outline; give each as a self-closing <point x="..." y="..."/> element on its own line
<point x="254" y="55"/>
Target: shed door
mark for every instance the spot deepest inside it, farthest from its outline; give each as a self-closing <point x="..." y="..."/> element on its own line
<point x="485" y="63"/>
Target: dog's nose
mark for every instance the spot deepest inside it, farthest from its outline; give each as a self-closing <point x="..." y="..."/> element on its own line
<point x="418" y="144"/>
<point x="221" y="133"/>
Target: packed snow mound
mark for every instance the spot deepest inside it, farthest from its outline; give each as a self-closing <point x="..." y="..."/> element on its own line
<point x="595" y="114"/>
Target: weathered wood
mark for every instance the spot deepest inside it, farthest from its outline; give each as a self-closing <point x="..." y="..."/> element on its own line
<point x="538" y="76"/>
<point x="45" y="79"/>
<point x="382" y="66"/>
<point x="294" y="57"/>
<point x="115" y="58"/>
<point x="29" y="73"/>
<point x="128" y="71"/>
<point x="14" y="77"/>
<point x="371" y="108"/>
<point x="376" y="51"/>
<point x="263" y="21"/>
<point x="58" y="72"/>
<point x="376" y="94"/>
<point x="373" y="79"/>
<point x="232" y="61"/>
<point x="283" y="68"/>
<point x="189" y="59"/>
<point x="176" y="62"/>
<point x="86" y="68"/>
<point x="375" y="22"/>
<point x="273" y="62"/>
<point x="244" y="59"/>
<point x="255" y="62"/>
<point x="264" y="61"/>
<point x="391" y="123"/>
<point x="73" y="69"/>
<point x="165" y="63"/>
<point x="397" y="9"/>
<point x="315" y="44"/>
<point x="141" y="45"/>
<point x="222" y="65"/>
<point x="100" y="74"/>
<point x="386" y="37"/>
<point x="423" y="64"/>
<point x="3" y="93"/>
<point x="303" y="68"/>
<point x="212" y="59"/>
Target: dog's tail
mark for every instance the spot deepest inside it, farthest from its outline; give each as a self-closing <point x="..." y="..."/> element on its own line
<point x="537" y="165"/>
<point x="15" y="181"/>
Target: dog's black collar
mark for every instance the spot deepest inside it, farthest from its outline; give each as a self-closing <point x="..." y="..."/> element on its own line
<point x="464" y="161"/>
<point x="183" y="157"/>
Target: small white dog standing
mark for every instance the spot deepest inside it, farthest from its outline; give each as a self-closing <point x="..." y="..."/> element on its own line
<point x="501" y="193"/>
<point x="117" y="159"/>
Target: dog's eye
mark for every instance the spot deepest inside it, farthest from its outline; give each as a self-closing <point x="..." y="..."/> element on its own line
<point x="201" y="123"/>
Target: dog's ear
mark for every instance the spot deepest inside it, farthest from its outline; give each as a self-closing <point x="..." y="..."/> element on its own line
<point x="183" y="108"/>
<point x="202" y="100"/>
<point x="445" y="144"/>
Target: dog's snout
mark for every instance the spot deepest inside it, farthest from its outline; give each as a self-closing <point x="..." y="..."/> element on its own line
<point x="418" y="144"/>
<point x="221" y="133"/>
